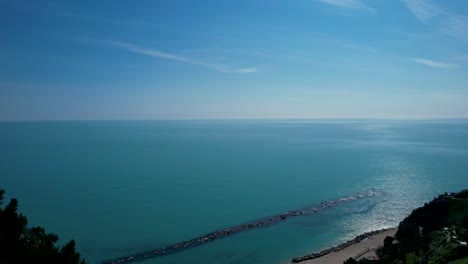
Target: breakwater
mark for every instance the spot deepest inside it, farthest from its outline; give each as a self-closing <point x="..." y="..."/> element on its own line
<point x="338" y="247"/>
<point x="235" y="229"/>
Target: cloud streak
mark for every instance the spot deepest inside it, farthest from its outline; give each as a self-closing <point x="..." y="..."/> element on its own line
<point x="174" y="57"/>
<point x="444" y="20"/>
<point x="433" y="64"/>
<point x="350" y="4"/>
<point x="424" y="10"/>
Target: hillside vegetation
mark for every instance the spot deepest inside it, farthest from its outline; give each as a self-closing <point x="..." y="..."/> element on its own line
<point x="433" y="233"/>
<point x="20" y="244"/>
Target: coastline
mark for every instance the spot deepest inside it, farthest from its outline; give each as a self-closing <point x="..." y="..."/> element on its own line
<point x="360" y="246"/>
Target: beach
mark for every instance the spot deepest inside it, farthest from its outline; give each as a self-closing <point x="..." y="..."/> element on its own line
<point x="358" y="250"/>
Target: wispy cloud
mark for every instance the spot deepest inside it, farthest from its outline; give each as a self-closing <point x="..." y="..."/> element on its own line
<point x="456" y="25"/>
<point x="433" y="64"/>
<point x="174" y="57"/>
<point x="424" y="10"/>
<point x="444" y="20"/>
<point x="246" y="70"/>
<point x="350" y="4"/>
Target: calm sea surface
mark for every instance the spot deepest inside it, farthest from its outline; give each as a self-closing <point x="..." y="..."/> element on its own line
<point x="120" y="187"/>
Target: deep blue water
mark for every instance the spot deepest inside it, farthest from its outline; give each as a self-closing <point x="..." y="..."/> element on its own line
<point x="119" y="187"/>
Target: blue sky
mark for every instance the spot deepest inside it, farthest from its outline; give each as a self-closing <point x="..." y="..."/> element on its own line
<point x="67" y="60"/>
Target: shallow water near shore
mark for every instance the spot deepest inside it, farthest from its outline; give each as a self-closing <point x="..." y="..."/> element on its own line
<point x="122" y="187"/>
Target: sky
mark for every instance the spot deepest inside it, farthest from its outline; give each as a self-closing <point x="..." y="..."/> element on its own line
<point x="217" y="59"/>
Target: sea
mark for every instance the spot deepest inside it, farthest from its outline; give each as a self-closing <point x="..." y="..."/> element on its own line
<point x="123" y="187"/>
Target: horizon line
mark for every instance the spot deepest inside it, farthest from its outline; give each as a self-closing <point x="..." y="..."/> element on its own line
<point x="240" y="119"/>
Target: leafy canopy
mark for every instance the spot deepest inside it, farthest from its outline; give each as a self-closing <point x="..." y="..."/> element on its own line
<point x="20" y="244"/>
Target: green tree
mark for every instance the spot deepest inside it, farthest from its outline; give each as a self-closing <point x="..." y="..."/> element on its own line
<point x="20" y="244"/>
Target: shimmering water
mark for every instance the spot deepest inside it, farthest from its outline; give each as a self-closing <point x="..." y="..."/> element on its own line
<point x="119" y="187"/>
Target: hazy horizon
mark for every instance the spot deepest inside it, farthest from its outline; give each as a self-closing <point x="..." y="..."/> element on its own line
<point x="308" y="59"/>
<point x="312" y="120"/>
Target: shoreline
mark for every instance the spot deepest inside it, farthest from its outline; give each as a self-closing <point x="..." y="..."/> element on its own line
<point x="357" y="247"/>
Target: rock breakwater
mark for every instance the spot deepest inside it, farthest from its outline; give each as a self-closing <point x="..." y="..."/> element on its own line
<point x="236" y="229"/>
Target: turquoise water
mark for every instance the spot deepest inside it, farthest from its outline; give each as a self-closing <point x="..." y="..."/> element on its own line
<point x="120" y="187"/>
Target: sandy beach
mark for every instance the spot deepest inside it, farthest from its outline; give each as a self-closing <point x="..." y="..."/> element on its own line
<point x="354" y="250"/>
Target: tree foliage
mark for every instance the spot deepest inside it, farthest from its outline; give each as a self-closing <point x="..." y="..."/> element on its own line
<point x="20" y="244"/>
<point x="426" y="235"/>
